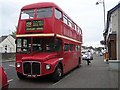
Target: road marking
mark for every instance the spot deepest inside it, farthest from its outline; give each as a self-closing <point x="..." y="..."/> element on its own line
<point x="10" y="80"/>
<point x="67" y="76"/>
<point x="61" y="79"/>
<point x="12" y="65"/>
<point x="56" y="82"/>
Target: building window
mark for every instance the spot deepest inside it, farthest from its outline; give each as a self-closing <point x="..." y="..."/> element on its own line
<point x="10" y="49"/>
<point x="5" y="48"/>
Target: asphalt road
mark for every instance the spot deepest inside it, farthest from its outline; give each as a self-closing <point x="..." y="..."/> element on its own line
<point x="96" y="75"/>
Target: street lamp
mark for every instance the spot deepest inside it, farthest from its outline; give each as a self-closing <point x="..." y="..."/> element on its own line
<point x="102" y="2"/>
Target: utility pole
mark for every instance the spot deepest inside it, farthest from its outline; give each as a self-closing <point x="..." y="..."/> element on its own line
<point x="102" y="2"/>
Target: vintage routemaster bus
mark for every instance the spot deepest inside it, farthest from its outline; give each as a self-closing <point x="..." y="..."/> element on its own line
<point x="48" y="42"/>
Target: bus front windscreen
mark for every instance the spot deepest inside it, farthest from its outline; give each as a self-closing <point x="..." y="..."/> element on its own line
<point x="27" y="14"/>
<point x="44" y="13"/>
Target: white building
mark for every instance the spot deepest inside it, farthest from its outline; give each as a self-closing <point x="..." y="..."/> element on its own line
<point x="7" y="44"/>
<point x="112" y="37"/>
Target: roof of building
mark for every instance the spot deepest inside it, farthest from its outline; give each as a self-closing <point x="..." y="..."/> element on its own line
<point x="2" y="38"/>
<point x="109" y="16"/>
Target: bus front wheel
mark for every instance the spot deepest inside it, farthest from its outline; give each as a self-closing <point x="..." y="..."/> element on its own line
<point x="57" y="75"/>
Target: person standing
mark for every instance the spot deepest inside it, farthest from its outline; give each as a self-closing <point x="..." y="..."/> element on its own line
<point x="88" y="57"/>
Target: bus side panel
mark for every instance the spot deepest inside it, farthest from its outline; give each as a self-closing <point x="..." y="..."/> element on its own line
<point x="67" y="31"/>
<point x="75" y="59"/>
<point x="58" y="26"/>
<point x="67" y="61"/>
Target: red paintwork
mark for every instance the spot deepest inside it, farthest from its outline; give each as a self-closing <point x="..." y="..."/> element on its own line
<point x="3" y="79"/>
<point x="44" y="58"/>
<point x="51" y="25"/>
<point x="40" y="56"/>
<point x="39" y="5"/>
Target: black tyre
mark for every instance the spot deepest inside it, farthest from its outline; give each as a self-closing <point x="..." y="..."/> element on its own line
<point x="20" y="76"/>
<point x="57" y="75"/>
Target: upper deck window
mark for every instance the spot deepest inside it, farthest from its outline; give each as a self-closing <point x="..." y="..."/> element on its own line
<point x="58" y="14"/>
<point x="65" y="20"/>
<point x="27" y="14"/>
<point x="44" y="12"/>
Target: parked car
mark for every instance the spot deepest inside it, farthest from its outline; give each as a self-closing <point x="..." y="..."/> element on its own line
<point x="101" y="54"/>
<point x="87" y="55"/>
<point x="3" y="80"/>
<point x="84" y="56"/>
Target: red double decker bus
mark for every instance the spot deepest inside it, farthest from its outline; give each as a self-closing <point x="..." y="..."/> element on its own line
<point x="48" y="42"/>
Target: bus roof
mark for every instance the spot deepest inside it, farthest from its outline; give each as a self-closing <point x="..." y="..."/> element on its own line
<point x="40" y="5"/>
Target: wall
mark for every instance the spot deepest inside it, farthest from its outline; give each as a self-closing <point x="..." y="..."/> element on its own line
<point x="113" y="24"/>
<point x="118" y="36"/>
<point x="116" y="27"/>
<point x="7" y="56"/>
<point x="114" y="19"/>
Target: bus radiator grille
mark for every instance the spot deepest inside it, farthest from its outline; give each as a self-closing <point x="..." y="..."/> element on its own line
<point x="31" y="68"/>
<point x="35" y="68"/>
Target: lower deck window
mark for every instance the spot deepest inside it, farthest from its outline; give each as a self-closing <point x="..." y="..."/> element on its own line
<point x="23" y="45"/>
<point x="27" y="45"/>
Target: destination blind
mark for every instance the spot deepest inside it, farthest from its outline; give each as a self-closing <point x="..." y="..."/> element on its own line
<point x="34" y="25"/>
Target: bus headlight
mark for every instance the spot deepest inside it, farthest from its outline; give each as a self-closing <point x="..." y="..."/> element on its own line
<point x="48" y="66"/>
<point x="18" y="65"/>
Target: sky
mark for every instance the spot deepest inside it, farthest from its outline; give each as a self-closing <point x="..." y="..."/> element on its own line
<point x="85" y="13"/>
